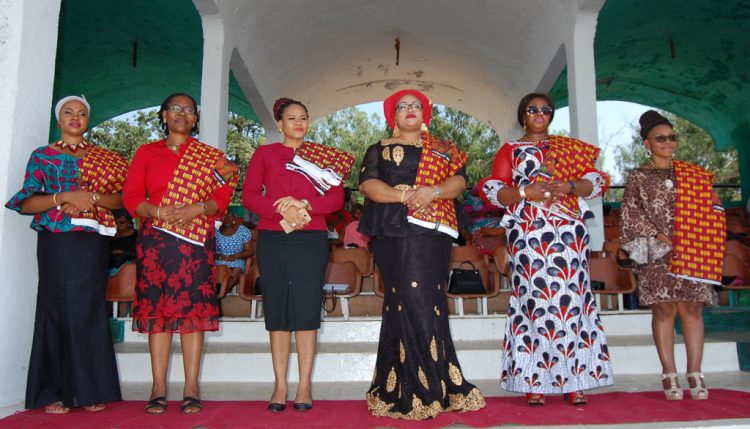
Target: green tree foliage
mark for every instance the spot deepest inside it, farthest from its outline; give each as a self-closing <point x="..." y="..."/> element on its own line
<point x="125" y="136"/>
<point x="694" y="145"/>
<point x="351" y="130"/>
<point x="477" y="139"/>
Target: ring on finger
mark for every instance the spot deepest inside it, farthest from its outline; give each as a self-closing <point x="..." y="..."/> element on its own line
<point x="547" y="194"/>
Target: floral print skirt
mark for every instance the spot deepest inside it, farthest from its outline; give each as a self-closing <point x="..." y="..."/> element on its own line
<point x="176" y="284"/>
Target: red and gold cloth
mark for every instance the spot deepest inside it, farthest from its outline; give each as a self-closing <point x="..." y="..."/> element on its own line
<point x="699" y="231"/>
<point x="101" y="171"/>
<point x="569" y="159"/>
<point x="201" y="170"/>
<point x="440" y="160"/>
<point x="327" y="157"/>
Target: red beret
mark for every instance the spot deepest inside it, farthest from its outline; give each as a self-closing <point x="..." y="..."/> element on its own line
<point x="389" y="106"/>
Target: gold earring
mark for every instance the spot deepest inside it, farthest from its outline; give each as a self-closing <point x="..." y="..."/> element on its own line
<point x="423" y="127"/>
<point x="524" y="126"/>
<point x="396" y="131"/>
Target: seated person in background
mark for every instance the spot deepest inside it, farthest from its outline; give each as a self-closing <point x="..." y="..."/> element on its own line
<point x="232" y="250"/>
<point x="122" y="245"/>
<point x="352" y="238"/>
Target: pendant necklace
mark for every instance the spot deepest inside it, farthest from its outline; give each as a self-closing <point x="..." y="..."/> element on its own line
<point x="668" y="182"/>
<point x="73" y="147"/>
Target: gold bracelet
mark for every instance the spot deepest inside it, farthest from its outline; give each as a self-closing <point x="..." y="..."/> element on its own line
<point x="403" y="193"/>
<point x="157" y="213"/>
<point x="54" y="199"/>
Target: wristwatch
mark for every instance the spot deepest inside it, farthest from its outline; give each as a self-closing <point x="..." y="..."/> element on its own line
<point x="436" y="191"/>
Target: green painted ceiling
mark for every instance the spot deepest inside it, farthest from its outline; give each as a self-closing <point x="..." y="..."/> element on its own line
<point x="95" y="55"/>
<point x="688" y="57"/>
<point x="691" y="58"/>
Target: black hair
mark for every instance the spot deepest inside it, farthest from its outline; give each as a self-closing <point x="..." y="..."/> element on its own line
<point x="282" y="103"/>
<point x="525" y="102"/>
<point x="165" y="106"/>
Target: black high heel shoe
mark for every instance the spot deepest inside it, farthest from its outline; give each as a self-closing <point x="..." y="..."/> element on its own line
<point x="302" y="406"/>
<point x="275" y="407"/>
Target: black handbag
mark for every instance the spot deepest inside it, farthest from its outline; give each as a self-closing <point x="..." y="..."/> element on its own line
<point x="465" y="281"/>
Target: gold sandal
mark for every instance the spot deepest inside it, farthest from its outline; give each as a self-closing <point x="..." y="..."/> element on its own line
<point x="699" y="392"/>
<point x="674" y="391"/>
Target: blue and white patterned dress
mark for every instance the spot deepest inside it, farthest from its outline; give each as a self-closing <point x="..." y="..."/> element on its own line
<point x="229" y="245"/>
<point x="554" y="340"/>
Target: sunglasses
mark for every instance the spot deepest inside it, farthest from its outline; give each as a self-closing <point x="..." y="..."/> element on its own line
<point x="179" y="109"/>
<point x="535" y="110"/>
<point x="662" y="138"/>
<point x="402" y="107"/>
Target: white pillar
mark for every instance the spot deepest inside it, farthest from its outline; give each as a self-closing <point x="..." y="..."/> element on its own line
<point x="27" y="72"/>
<point x="582" y="95"/>
<point x="214" y="97"/>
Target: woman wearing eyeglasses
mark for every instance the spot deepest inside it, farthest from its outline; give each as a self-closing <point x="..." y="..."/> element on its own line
<point x="178" y="186"/>
<point x="410" y="181"/>
<point x="673" y="228"/>
<point x="554" y="341"/>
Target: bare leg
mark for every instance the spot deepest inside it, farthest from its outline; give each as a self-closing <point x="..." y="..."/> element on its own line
<point x="192" y="351"/>
<point x="159" y="345"/>
<point x="234" y="279"/>
<point x="691" y="315"/>
<point x="306" y="342"/>
<point x="662" y="326"/>
<point x="222" y="279"/>
<point x="281" y="343"/>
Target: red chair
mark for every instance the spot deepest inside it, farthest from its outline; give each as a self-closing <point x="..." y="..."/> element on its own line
<point x="617" y="280"/>
<point x="736" y="265"/>
<point x="360" y="256"/>
<point x="121" y="287"/>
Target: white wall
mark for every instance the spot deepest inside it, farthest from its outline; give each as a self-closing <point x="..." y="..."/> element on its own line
<point x="28" y="44"/>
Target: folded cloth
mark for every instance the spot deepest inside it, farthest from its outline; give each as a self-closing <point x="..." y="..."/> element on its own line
<point x="322" y="178"/>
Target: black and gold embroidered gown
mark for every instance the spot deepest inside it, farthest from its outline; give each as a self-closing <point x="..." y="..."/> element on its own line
<point x="417" y="374"/>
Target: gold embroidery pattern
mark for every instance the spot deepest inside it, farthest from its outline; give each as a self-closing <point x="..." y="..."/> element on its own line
<point x="456" y="377"/>
<point x="399" y="307"/>
<point x="433" y="349"/>
<point x="414" y="284"/>
<point x="418" y="411"/>
<point x="402" y="352"/>
<point x="471" y="402"/>
<point x="391" y="383"/>
<point x="387" y="307"/>
<point x="415" y="143"/>
<point x="398" y="155"/>
<point x="393" y="289"/>
<point x="387" y="154"/>
<point x="437" y="311"/>
<point x="423" y="379"/>
<point x="442" y="385"/>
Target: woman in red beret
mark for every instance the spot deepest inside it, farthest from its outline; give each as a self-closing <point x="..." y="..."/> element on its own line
<point x="410" y="181"/>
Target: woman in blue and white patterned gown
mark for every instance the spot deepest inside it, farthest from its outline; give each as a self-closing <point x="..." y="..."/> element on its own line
<point x="554" y="340"/>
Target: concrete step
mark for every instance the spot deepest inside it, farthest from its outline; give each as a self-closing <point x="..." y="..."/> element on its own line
<point x="347" y="351"/>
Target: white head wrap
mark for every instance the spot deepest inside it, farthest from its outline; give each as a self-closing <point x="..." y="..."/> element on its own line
<point x="64" y="100"/>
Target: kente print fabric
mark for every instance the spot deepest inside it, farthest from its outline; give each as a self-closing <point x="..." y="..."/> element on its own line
<point x="104" y="172"/>
<point x="201" y="170"/>
<point x="554" y="340"/>
<point x="699" y="232"/>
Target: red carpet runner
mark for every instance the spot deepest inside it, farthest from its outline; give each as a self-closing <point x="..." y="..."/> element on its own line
<point x="617" y="407"/>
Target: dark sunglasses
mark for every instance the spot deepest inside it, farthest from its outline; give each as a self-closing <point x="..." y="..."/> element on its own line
<point x="534" y="110"/>
<point x="662" y="138"/>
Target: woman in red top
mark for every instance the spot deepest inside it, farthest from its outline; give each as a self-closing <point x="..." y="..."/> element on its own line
<point x="300" y="178"/>
<point x="177" y="186"/>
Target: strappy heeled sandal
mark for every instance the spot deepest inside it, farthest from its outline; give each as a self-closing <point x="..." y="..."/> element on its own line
<point x="699" y="392"/>
<point x="576" y="398"/>
<point x="674" y="391"/>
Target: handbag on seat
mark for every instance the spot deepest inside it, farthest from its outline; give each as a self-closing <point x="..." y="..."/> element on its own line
<point x="465" y="281"/>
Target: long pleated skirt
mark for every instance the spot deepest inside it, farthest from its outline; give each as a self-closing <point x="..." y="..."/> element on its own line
<point x="417" y="374"/>
<point x="72" y="358"/>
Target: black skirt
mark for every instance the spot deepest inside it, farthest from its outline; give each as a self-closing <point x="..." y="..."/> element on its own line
<point x="417" y="374"/>
<point x="292" y="269"/>
<point x="72" y="358"/>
